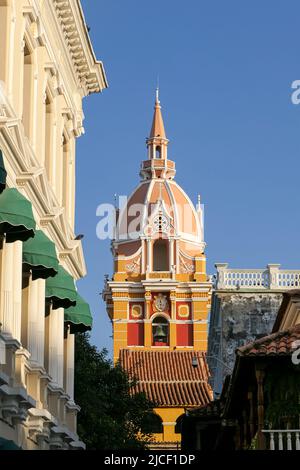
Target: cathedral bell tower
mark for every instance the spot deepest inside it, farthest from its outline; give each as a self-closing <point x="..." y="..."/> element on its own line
<point x="159" y="296"/>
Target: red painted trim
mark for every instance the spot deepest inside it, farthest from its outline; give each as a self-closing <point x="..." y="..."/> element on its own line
<point x="184" y="334"/>
<point x="135" y="334"/>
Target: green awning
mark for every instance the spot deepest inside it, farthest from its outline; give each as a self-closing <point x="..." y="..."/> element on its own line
<point x="2" y="173"/>
<point x="5" y="444"/>
<point x="79" y="317"/>
<point x="16" y="217"/>
<point x="39" y="255"/>
<point x="61" y="289"/>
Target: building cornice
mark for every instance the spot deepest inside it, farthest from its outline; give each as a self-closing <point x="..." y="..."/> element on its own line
<point x="89" y="71"/>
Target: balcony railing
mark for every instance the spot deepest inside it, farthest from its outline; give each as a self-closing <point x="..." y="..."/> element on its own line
<point x="270" y="278"/>
<point x="279" y="439"/>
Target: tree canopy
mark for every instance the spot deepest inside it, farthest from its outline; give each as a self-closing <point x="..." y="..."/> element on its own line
<point x="111" y="417"/>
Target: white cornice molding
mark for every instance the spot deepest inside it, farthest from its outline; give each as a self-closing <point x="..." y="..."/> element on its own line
<point x="89" y="71"/>
<point x="31" y="11"/>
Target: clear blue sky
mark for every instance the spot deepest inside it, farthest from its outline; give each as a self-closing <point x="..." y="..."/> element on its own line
<point x="225" y="71"/>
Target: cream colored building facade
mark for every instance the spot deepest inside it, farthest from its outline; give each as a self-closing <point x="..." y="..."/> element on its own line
<point x="47" y="66"/>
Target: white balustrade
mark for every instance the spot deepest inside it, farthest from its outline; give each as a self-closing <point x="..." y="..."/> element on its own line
<point x="282" y="439"/>
<point x="270" y="278"/>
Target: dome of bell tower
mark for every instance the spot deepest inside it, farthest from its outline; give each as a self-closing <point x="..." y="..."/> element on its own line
<point x="160" y="208"/>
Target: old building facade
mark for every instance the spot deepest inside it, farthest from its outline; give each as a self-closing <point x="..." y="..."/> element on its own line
<point x="159" y="296"/>
<point x="47" y="66"/>
<point x="245" y="303"/>
<point x="259" y="404"/>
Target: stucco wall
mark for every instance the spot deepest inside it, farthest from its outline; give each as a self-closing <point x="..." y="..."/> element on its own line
<point x="237" y="319"/>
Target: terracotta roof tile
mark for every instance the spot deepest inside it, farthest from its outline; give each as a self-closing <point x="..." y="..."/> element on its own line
<point x="168" y="377"/>
<point x="281" y="343"/>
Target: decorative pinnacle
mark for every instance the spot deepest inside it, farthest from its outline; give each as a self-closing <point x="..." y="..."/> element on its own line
<point x="157" y="130"/>
<point x="157" y="95"/>
<point x="198" y="202"/>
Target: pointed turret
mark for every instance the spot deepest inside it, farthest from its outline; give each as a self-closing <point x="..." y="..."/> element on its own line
<point x="158" y="128"/>
<point x="157" y="144"/>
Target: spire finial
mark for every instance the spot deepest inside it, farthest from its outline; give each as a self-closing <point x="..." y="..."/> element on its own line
<point x="157" y="130"/>
<point x="198" y="202"/>
<point x="157" y="90"/>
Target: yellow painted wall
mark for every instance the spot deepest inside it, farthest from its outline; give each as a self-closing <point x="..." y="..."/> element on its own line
<point x="169" y="417"/>
<point x="119" y="312"/>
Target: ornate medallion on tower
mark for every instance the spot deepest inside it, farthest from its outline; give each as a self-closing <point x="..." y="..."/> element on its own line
<point x="160" y="303"/>
<point x="159" y="295"/>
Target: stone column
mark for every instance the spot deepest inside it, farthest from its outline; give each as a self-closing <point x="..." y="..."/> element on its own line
<point x="51" y="148"/>
<point x="55" y="331"/>
<point x="143" y="256"/>
<point x="173" y="326"/>
<point x="69" y="187"/>
<point x="273" y="270"/>
<point x="40" y="324"/>
<point x="149" y="256"/>
<point x="69" y="347"/>
<point x="17" y="286"/>
<point x="177" y="256"/>
<point x="57" y="155"/>
<point x="32" y="314"/>
<point x="6" y="294"/>
<point x="40" y="93"/>
<point x="11" y="289"/>
<point x="16" y="74"/>
<point x="36" y="320"/>
<point x="7" y="33"/>
<point x="221" y="268"/>
<point x="171" y="253"/>
<point x="60" y="347"/>
<point x="147" y="322"/>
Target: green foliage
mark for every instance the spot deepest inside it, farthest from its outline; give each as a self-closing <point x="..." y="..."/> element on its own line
<point x="111" y="416"/>
<point x="254" y="443"/>
<point x="282" y="391"/>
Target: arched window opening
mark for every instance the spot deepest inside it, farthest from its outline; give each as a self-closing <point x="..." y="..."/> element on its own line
<point x="152" y="424"/>
<point x="160" y="331"/>
<point x="178" y="425"/>
<point x="158" y="152"/>
<point x="160" y="255"/>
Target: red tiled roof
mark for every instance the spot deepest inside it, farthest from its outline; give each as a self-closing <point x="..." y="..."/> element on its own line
<point x="281" y="343"/>
<point x="168" y="377"/>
